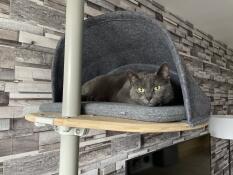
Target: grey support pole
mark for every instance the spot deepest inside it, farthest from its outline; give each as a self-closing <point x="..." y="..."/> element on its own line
<point x="69" y="149"/>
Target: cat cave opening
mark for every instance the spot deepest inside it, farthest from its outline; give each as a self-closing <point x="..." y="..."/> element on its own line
<point x="117" y="42"/>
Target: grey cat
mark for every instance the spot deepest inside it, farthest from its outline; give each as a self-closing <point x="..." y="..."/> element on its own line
<point x="149" y="89"/>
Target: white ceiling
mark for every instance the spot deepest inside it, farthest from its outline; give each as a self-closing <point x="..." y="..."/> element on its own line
<point x="214" y="17"/>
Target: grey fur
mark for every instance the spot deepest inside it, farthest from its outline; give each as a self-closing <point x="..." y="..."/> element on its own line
<point x="123" y="87"/>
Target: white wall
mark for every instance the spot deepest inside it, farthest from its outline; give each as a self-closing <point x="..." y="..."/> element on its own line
<point x="213" y="16"/>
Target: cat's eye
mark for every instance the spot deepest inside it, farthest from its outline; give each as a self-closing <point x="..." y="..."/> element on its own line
<point x="156" y="88"/>
<point x="140" y="90"/>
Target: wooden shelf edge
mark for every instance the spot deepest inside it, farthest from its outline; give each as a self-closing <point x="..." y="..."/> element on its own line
<point x="110" y="123"/>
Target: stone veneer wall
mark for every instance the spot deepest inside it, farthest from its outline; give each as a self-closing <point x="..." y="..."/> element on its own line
<point x="29" y="31"/>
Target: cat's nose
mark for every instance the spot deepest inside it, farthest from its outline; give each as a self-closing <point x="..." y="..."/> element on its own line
<point x="149" y="98"/>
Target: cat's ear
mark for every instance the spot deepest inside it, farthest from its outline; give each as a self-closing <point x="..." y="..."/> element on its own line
<point x="132" y="76"/>
<point x="164" y="71"/>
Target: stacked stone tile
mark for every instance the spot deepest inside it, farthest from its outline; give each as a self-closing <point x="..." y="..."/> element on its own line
<point x="29" y="32"/>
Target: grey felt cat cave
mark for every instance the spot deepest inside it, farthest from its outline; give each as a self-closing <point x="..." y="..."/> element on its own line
<point x="121" y="40"/>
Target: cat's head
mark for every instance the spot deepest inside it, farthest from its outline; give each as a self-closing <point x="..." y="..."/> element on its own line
<point x="151" y="89"/>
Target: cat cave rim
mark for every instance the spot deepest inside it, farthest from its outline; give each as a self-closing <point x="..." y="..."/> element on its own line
<point x="196" y="104"/>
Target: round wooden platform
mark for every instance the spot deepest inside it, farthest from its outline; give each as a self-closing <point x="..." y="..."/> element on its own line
<point x="109" y="123"/>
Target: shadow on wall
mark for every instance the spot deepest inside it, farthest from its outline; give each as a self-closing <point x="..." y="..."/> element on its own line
<point x="192" y="156"/>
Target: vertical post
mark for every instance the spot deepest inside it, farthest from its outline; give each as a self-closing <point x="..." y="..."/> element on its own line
<point x="69" y="148"/>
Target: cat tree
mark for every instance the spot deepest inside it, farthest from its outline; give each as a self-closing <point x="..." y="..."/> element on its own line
<point x="70" y="124"/>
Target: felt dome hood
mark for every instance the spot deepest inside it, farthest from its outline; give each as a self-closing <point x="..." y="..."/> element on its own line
<point x="117" y="39"/>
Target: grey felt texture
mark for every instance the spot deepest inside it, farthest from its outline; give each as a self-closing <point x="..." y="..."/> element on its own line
<point x="126" y="111"/>
<point x="122" y="38"/>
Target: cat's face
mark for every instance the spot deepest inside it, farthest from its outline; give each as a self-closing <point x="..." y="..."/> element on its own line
<point x="150" y="89"/>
